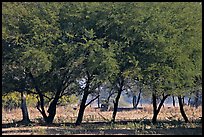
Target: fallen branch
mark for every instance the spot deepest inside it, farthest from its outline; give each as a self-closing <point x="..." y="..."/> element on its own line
<point x="104" y="117"/>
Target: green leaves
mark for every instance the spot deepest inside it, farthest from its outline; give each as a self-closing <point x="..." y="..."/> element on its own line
<point x="158" y="42"/>
<point x="36" y="61"/>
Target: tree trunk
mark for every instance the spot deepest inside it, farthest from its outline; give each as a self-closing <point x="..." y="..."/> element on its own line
<point x="117" y="100"/>
<point x="136" y="102"/>
<point x="155" y="109"/>
<point x="24" y="108"/>
<point x="83" y="102"/>
<point x="98" y="103"/>
<point x="182" y="110"/>
<point x="81" y="110"/>
<point x="196" y="99"/>
<point x="173" y="101"/>
<point x="183" y="101"/>
<point x="52" y="108"/>
<point x="41" y="102"/>
<point x="189" y="100"/>
<point x="154" y="103"/>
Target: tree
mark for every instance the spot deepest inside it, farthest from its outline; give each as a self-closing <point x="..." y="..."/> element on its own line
<point x="163" y="37"/>
<point x="37" y="58"/>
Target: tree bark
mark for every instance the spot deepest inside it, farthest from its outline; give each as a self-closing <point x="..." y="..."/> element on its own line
<point x="117" y="99"/>
<point x="24" y="109"/>
<point x="181" y="109"/>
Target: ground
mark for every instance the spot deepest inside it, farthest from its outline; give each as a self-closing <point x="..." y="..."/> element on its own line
<point x="128" y="122"/>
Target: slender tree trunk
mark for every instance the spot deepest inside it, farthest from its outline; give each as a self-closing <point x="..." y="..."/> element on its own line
<point x="173" y="101"/>
<point x="183" y="101"/>
<point x="98" y="103"/>
<point x="136" y="101"/>
<point x="83" y="102"/>
<point x="81" y="110"/>
<point x="24" y="108"/>
<point x="182" y="110"/>
<point x="189" y="100"/>
<point x="196" y="99"/>
<point x="117" y="100"/>
<point x="155" y="109"/>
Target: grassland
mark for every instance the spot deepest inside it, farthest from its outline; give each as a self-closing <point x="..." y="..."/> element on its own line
<point x="128" y="122"/>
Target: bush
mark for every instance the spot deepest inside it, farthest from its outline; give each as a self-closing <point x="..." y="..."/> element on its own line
<point x="11" y="100"/>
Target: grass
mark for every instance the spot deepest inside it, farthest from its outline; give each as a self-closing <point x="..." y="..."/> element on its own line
<point x="129" y="122"/>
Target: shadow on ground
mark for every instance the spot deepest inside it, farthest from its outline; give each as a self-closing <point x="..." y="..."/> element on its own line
<point x="96" y="128"/>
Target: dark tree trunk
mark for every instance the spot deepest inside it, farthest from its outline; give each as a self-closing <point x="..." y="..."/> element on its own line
<point x="136" y="101"/>
<point x="189" y="100"/>
<point x="81" y="110"/>
<point x="24" y="108"/>
<point x="181" y="109"/>
<point x="183" y="100"/>
<point x="154" y="103"/>
<point x="98" y="103"/>
<point x="173" y="101"/>
<point x="83" y="102"/>
<point x="117" y="99"/>
<point x="196" y="99"/>
<point x="52" y="108"/>
<point x="41" y="102"/>
<point x="155" y="109"/>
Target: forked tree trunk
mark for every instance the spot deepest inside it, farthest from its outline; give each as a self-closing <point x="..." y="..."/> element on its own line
<point x="52" y="109"/>
<point x="181" y="109"/>
<point x="155" y="109"/>
<point x="40" y="106"/>
<point x="24" y="109"/>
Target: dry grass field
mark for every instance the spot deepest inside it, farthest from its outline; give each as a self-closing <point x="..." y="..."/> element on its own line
<point x="128" y="121"/>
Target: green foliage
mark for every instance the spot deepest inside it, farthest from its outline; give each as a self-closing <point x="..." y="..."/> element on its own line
<point x="159" y="44"/>
<point x="67" y="100"/>
<point x="11" y="100"/>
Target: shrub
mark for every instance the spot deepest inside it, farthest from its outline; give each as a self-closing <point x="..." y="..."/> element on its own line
<point x="11" y="100"/>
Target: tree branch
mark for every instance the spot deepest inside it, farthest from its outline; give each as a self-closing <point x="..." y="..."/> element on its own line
<point x="92" y="100"/>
